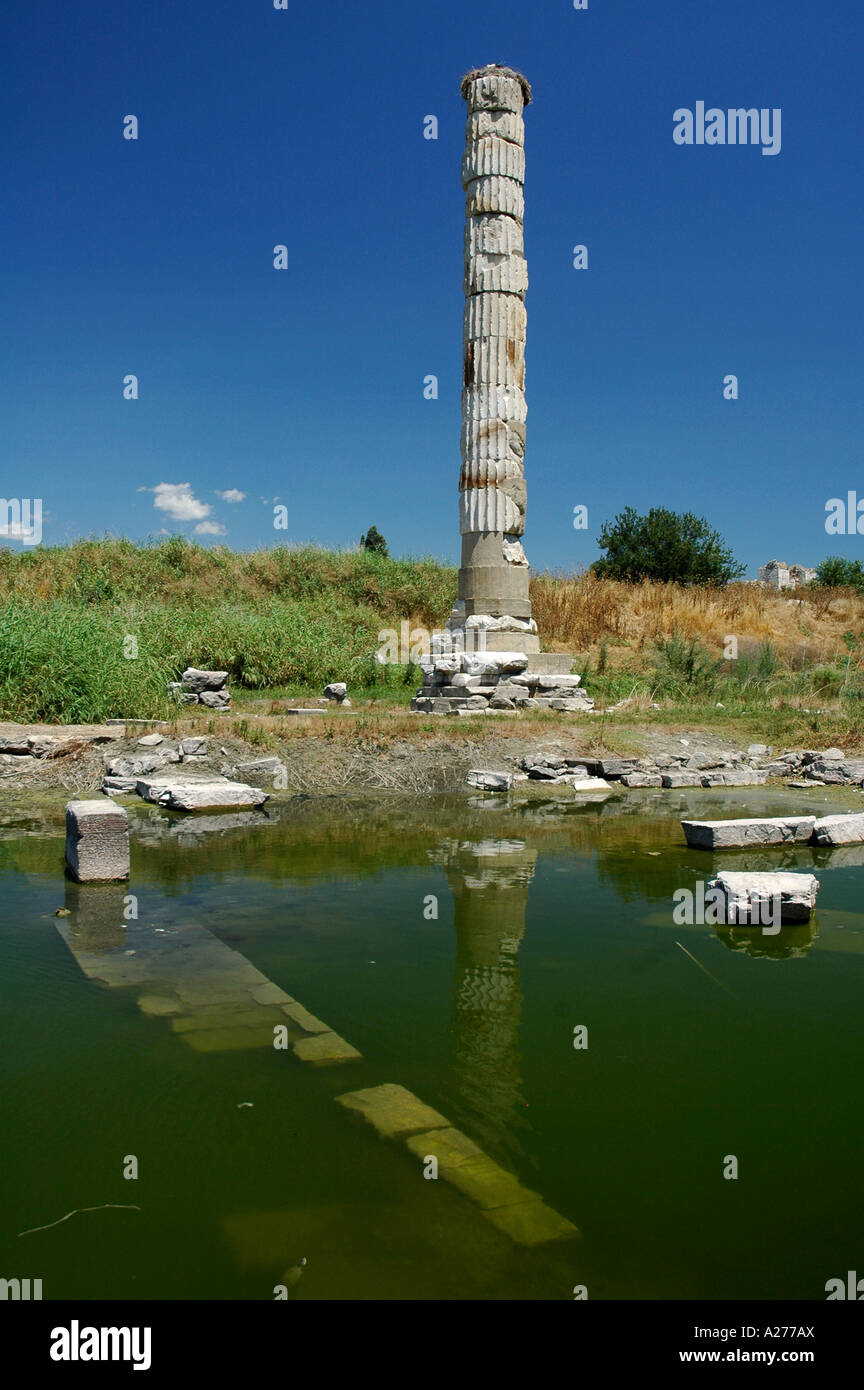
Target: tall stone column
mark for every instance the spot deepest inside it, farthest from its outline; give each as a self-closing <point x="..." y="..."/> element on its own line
<point x="494" y="573"/>
<point x="489" y="656"/>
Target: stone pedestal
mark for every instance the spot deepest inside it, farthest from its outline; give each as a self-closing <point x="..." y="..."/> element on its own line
<point x="97" y="841"/>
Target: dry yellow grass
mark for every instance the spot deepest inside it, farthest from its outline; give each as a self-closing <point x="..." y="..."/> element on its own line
<point x="804" y="627"/>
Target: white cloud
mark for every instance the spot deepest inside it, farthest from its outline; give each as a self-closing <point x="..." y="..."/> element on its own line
<point x="233" y="494"/>
<point x="179" y="501"/>
<point x="210" y="528"/>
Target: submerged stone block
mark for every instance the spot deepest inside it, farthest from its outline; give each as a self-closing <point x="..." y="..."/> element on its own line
<point x="450" y="1146"/>
<point x="392" y="1110"/>
<point x="302" y="1017"/>
<point x="487" y="1184"/>
<point x="325" y="1048"/>
<point x="97" y="841"/>
<point x="532" y="1223"/>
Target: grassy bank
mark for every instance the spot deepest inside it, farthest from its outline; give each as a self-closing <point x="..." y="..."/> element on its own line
<point x="97" y="629"/>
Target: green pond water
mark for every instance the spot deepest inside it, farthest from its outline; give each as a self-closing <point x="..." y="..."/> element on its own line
<point x="550" y="915"/>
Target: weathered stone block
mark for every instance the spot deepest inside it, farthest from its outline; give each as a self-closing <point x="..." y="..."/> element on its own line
<point x="199" y="796"/>
<point x="532" y="1223"/>
<point x="325" y="1049"/>
<point x="492" y="155"/>
<point x="495" y="316"/>
<point x="489" y="781"/>
<point x="642" y="779"/>
<point x="495" y="90"/>
<point x="738" y="834"/>
<point x="735" y="777"/>
<point x="682" y="779"/>
<point x="193" y="747"/>
<point x="97" y="841"/>
<point x="839" y="830"/>
<point x="752" y="896"/>
<point x="504" y="275"/>
<point x="215" y="699"/>
<point x="392" y="1110"/>
<point x="494" y="403"/>
<point x="507" y="125"/>
<point x="196" y="681"/>
<point x="493" y="194"/>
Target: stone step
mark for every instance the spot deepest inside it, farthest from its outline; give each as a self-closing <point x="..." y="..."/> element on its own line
<point x="739" y="834"/>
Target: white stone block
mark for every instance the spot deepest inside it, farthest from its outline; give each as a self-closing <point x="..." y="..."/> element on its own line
<point x="494" y="236"/>
<point x="199" y="795"/>
<point x="489" y="781"/>
<point x="493" y="664"/>
<point x="447" y="664"/>
<point x="739" y="834"/>
<point x="749" y="896"/>
<point x="488" y="509"/>
<point x="488" y="273"/>
<point x="494" y="403"/>
<point x="495" y="316"/>
<point x="493" y="194"/>
<point x="494" y="92"/>
<point x="493" y="156"/>
<point x="492" y="439"/>
<point x="505" y="124"/>
<point x="97" y="841"/>
<point x="494" y="362"/>
<point x="839" y="830"/>
<point x="197" y="681"/>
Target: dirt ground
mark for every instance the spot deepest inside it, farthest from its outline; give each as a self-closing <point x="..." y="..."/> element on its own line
<point x="327" y="754"/>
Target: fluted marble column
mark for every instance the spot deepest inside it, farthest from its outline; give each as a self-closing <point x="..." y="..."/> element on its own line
<point x="494" y="573"/>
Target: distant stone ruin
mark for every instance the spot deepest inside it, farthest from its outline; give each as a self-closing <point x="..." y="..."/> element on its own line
<point x="778" y="575"/>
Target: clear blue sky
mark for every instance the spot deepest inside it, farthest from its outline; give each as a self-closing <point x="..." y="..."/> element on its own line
<point x="305" y="127"/>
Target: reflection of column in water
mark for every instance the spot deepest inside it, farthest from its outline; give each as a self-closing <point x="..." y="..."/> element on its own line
<point x="97" y="922"/>
<point x="490" y="881"/>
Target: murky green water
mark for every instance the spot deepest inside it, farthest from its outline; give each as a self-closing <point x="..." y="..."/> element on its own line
<point x="550" y="915"/>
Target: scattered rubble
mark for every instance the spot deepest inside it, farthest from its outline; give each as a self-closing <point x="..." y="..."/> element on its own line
<point x="202" y="687"/>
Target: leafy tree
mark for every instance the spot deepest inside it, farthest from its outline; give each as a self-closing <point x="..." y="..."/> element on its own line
<point x="664" y="545"/>
<point x="839" y="573"/>
<point x="373" y="540"/>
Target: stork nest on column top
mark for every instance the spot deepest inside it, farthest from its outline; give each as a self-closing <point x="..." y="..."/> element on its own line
<point x="500" y="71"/>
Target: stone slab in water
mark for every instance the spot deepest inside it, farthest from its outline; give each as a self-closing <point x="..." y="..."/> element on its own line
<point x="744" y="892"/>
<point x="738" y="834"/>
<point x="392" y="1110"/>
<point x="450" y="1146"/>
<point x="487" y="1184"/>
<point x="532" y="1223"/>
<point x="840" y="830"/>
<point x="97" y="841"/>
<point x="325" y="1048"/>
<point x="303" y="1019"/>
<point x="190" y="795"/>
